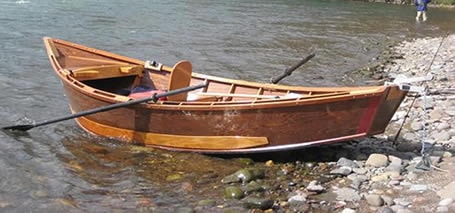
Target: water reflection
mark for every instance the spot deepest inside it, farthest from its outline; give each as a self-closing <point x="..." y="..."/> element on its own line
<point x="118" y="176"/>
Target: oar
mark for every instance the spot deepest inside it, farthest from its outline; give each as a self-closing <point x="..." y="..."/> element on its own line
<point x="289" y="71"/>
<point x="153" y="98"/>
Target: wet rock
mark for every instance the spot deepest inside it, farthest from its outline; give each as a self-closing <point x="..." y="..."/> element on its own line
<point x="253" y="186"/>
<point x="206" y="203"/>
<point x="184" y="210"/>
<point x="231" y="179"/>
<point x="233" y="192"/>
<point x="377" y="160"/>
<point x="234" y="210"/>
<point x="246" y="161"/>
<point x="244" y="175"/>
<point x="258" y="203"/>
<point x="174" y="177"/>
<point x="249" y="174"/>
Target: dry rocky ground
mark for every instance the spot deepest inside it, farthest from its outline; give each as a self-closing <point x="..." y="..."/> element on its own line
<point x="426" y="117"/>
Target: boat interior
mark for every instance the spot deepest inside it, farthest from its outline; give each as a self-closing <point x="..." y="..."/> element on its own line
<point x="139" y="81"/>
<point x="127" y="78"/>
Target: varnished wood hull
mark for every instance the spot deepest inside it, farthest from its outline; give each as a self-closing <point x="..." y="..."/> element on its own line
<point x="232" y="124"/>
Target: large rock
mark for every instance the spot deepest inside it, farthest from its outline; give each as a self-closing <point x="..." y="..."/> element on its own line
<point x="377" y="160"/>
<point x="347" y="194"/>
<point x="374" y="200"/>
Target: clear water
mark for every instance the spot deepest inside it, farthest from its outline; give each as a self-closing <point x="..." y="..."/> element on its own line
<point x="61" y="168"/>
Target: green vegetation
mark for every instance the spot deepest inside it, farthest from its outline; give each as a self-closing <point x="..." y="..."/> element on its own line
<point x="444" y="2"/>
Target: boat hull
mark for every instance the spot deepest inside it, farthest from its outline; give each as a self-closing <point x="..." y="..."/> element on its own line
<point x="247" y="119"/>
<point x="239" y="130"/>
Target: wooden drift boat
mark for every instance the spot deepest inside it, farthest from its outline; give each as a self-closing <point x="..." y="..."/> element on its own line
<point x="225" y="116"/>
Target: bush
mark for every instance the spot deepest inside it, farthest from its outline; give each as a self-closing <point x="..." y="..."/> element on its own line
<point x="445" y="2"/>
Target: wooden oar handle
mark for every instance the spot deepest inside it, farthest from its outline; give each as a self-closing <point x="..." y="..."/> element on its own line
<point x="289" y="71"/>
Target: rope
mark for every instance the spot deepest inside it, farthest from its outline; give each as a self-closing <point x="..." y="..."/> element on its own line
<point x="415" y="97"/>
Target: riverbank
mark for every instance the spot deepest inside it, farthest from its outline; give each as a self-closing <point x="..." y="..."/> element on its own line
<point x="378" y="174"/>
<point x="434" y="3"/>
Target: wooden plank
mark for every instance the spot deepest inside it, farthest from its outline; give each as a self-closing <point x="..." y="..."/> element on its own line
<point x="102" y="72"/>
<point x="173" y="141"/>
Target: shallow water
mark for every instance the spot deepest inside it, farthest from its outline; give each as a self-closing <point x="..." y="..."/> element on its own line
<point x="61" y="168"/>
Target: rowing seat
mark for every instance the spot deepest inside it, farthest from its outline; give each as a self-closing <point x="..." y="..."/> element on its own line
<point x="180" y="77"/>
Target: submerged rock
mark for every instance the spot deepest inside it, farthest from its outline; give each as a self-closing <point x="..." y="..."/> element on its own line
<point x="244" y="175"/>
<point x="258" y="203"/>
<point x="233" y="192"/>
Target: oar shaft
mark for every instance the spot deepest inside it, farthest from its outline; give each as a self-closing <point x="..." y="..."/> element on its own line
<point x="153" y="98"/>
<point x="289" y="71"/>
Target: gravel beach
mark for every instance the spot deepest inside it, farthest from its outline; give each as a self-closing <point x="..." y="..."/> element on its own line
<point x="385" y="173"/>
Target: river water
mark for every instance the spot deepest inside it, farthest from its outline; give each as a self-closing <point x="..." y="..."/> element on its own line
<point x="60" y="168"/>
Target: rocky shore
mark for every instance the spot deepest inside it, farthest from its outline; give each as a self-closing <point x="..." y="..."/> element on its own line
<point x="383" y="174"/>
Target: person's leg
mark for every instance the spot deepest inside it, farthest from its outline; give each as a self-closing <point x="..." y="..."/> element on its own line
<point x="419" y="13"/>
<point x="424" y="15"/>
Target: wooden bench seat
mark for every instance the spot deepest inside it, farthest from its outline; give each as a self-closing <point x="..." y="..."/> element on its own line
<point x="107" y="71"/>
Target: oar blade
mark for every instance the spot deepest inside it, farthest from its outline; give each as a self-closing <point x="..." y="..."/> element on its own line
<point x="19" y="127"/>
